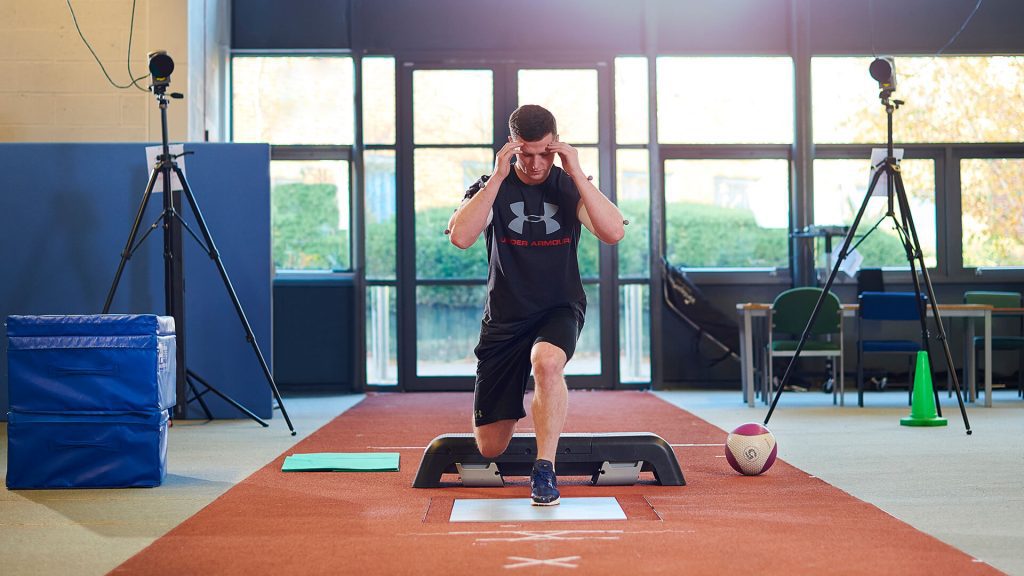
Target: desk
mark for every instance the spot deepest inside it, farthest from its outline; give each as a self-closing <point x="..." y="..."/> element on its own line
<point x="751" y="310"/>
<point x="969" y="367"/>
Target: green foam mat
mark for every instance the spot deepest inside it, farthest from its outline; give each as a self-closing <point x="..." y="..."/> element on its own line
<point x="342" y="462"/>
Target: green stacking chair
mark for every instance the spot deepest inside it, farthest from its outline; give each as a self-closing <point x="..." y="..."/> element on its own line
<point x="1011" y="330"/>
<point x="788" y="318"/>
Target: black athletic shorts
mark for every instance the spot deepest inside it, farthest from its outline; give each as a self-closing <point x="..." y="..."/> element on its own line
<point x="503" y="361"/>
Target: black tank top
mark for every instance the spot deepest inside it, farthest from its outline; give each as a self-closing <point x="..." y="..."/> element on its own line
<point x="532" y="243"/>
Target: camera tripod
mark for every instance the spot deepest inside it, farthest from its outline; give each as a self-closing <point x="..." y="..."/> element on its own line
<point x="174" y="285"/>
<point x="907" y="233"/>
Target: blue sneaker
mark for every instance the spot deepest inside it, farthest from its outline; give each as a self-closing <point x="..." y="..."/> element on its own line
<point x="543" y="484"/>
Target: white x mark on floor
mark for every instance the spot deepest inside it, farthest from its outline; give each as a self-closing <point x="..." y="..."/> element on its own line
<point x="563" y="562"/>
<point x="528" y="536"/>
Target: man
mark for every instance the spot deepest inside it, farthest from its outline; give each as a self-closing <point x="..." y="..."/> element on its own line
<point x="531" y="213"/>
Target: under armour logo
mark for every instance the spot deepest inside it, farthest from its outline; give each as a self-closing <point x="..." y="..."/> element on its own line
<point x="550" y="224"/>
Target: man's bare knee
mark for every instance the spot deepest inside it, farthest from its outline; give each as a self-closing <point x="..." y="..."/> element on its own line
<point x="492" y="439"/>
<point x="548" y="363"/>
<point x="491" y="450"/>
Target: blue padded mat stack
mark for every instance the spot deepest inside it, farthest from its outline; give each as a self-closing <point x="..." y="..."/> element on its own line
<point x="89" y="400"/>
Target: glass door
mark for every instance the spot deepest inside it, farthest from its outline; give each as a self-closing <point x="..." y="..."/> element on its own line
<point x="452" y="128"/>
<point x="457" y="119"/>
<point x="571" y="94"/>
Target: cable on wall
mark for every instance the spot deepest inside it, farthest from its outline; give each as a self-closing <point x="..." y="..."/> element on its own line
<point x="132" y="80"/>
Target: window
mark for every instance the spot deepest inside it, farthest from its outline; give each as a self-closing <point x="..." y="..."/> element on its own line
<point x="453" y="124"/>
<point x="309" y="214"/>
<point x="948" y="99"/>
<point x="634" y="201"/>
<point x="380" y="245"/>
<point x="631" y="101"/>
<point x="727" y="213"/>
<point x="378" y="100"/>
<point x="452" y="107"/>
<point x="725" y="124"/>
<point x="380" y="215"/>
<point x="447" y="329"/>
<point x="956" y="107"/>
<point x="292" y="99"/>
<point x="725" y="100"/>
<point x="632" y="188"/>
<point x="442" y="174"/>
<point x="839" y="190"/>
<point x="571" y="96"/>
<point x="992" y="202"/>
<point x="303" y="106"/>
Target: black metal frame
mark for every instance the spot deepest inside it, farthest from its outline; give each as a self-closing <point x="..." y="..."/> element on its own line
<point x="505" y="96"/>
<point x="803" y="151"/>
<point x="908" y="234"/>
<point x="725" y="152"/>
<point x="174" y="279"/>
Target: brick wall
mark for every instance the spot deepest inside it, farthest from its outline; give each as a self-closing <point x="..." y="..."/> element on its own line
<point x="52" y="90"/>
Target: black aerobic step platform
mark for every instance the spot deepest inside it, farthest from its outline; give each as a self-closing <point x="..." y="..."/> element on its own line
<point x="609" y="459"/>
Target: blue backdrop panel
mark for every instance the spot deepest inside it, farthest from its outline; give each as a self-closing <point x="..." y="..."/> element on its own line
<point x="65" y="214"/>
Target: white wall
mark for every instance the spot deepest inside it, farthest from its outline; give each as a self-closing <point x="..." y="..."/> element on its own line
<point x="52" y="90"/>
<point x="209" y="43"/>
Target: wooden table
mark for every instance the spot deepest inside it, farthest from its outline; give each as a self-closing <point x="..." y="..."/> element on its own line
<point x="748" y="311"/>
<point x="969" y="368"/>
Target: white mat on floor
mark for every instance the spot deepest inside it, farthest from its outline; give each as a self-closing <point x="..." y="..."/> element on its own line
<point x="521" y="510"/>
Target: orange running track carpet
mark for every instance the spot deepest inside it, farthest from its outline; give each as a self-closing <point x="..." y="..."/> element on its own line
<point x="783" y="522"/>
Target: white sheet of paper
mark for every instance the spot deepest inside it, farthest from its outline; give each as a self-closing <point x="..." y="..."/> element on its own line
<point x="152" y="152"/>
<point x="851" y="264"/>
<point x="877" y="158"/>
<point x="521" y="510"/>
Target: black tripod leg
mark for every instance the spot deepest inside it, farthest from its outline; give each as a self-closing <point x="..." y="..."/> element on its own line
<point x="227" y="399"/>
<point x="821" y="297"/>
<point x="912" y="229"/>
<point x="197" y="396"/>
<point x="215" y="256"/>
<point x="912" y="251"/>
<point x="127" y="252"/>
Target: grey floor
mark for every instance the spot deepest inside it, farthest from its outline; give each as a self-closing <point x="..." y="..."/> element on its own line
<point x="965" y="490"/>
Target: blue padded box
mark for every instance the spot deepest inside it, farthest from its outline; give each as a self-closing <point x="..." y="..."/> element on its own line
<point x="110" y="362"/>
<point x="108" y="450"/>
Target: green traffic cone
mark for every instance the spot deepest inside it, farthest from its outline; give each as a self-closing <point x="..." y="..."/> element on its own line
<point x="922" y="406"/>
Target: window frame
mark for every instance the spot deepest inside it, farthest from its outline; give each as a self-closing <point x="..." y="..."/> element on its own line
<point x="949" y="267"/>
<point x="954" y="154"/>
<point x="937" y="154"/>
<point x="314" y="152"/>
<point x="729" y="275"/>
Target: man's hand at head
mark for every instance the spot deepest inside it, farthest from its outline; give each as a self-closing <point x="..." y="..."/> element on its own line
<point x="569" y="157"/>
<point x="503" y="159"/>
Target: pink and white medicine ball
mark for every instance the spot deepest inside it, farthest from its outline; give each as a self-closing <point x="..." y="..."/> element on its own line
<point x="750" y="449"/>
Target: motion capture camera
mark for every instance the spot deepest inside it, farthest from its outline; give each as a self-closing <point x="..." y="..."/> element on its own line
<point x="160" y="67"/>
<point x="883" y="70"/>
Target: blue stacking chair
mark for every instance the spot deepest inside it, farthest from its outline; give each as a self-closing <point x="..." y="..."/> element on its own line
<point x="877" y="309"/>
